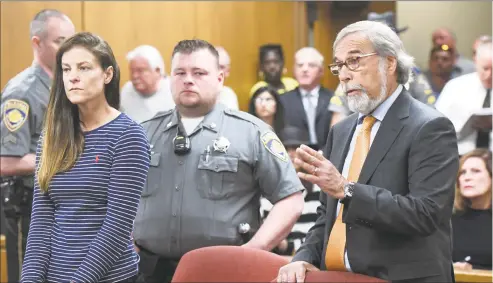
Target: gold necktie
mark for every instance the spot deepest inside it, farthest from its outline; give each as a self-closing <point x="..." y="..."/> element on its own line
<point x="334" y="256"/>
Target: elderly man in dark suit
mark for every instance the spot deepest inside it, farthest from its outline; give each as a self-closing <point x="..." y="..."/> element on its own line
<point x="387" y="172"/>
<point x="306" y="107"/>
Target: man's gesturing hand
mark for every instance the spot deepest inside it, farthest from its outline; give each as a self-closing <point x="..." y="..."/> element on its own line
<point x="319" y="171"/>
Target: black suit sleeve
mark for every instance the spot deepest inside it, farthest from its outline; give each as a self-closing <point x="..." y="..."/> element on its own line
<point x="312" y="249"/>
<point x="432" y="167"/>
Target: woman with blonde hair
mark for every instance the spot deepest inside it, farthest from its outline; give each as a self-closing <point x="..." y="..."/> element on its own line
<point x="91" y="166"/>
<point x="472" y="221"/>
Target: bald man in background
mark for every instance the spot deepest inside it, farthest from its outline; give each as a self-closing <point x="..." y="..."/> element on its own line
<point x="227" y="96"/>
<point x="480" y="40"/>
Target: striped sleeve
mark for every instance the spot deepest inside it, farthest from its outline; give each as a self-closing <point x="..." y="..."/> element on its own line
<point x="38" y="250"/>
<point x="131" y="157"/>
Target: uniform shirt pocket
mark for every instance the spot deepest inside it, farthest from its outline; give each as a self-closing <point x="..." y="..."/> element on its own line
<point x="154" y="175"/>
<point x="217" y="175"/>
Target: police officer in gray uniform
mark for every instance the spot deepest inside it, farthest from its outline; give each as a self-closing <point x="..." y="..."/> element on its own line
<point x="23" y="105"/>
<point x="209" y="166"/>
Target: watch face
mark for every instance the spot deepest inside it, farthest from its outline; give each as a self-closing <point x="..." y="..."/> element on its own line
<point x="348" y="190"/>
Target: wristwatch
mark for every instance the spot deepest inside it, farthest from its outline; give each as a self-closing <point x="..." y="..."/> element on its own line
<point x="348" y="192"/>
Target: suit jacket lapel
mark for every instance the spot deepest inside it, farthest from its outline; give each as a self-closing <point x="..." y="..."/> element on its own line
<point x="322" y="104"/>
<point x="344" y="137"/>
<point x="389" y="129"/>
<point x="300" y="108"/>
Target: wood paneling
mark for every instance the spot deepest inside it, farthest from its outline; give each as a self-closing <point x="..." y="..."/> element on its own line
<point x="300" y="25"/>
<point x="241" y="27"/>
<point x="326" y="28"/>
<point x="323" y="35"/>
<point x="15" y="50"/>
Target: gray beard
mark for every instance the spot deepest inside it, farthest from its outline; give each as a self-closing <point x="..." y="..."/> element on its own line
<point x="363" y="103"/>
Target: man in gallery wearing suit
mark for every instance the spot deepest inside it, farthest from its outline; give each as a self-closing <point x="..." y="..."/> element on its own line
<point x="387" y="172"/>
<point x="306" y="107"/>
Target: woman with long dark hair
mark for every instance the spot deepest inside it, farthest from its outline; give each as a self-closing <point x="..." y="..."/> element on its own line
<point x="91" y="166"/>
<point x="266" y="105"/>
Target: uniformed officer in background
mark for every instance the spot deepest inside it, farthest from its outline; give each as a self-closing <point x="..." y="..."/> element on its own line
<point x="419" y="87"/>
<point x="209" y="166"/>
<point x="23" y="106"/>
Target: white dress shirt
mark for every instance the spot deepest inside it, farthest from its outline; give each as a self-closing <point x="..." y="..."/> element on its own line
<point x="459" y="99"/>
<point x="310" y="101"/>
<point x="228" y="98"/>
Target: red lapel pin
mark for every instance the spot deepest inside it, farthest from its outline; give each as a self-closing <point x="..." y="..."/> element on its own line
<point x="97" y="158"/>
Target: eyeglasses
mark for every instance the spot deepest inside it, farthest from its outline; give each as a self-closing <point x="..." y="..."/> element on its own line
<point x="352" y="63"/>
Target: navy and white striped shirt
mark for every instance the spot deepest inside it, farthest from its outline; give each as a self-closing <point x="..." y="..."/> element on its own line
<point x="81" y="229"/>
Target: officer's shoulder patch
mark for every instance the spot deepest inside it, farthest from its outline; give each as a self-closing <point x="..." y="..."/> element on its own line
<point x="257" y="86"/>
<point x="336" y="100"/>
<point x="431" y="99"/>
<point x="289" y="83"/>
<point x="274" y="145"/>
<point x="15" y="114"/>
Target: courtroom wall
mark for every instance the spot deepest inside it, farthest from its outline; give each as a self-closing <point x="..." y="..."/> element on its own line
<point x="468" y="19"/>
<point x="241" y="27"/>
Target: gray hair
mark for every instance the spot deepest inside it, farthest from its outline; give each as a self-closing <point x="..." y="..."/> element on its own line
<point x="150" y="54"/>
<point x="484" y="39"/>
<point x="37" y="27"/>
<point x="484" y="49"/>
<point x="311" y="52"/>
<point x="385" y="42"/>
<point x="223" y="55"/>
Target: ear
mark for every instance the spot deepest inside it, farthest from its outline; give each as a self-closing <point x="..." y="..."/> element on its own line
<point x="35" y="42"/>
<point x="108" y="75"/>
<point x="392" y="65"/>
<point x="220" y="77"/>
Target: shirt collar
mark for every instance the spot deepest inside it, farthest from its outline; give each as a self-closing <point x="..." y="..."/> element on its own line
<point x="384" y="107"/>
<point x="314" y="91"/>
<point x="211" y="119"/>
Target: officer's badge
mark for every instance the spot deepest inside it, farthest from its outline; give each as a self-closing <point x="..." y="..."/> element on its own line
<point x="221" y="144"/>
<point x="274" y="146"/>
<point x="15" y="114"/>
